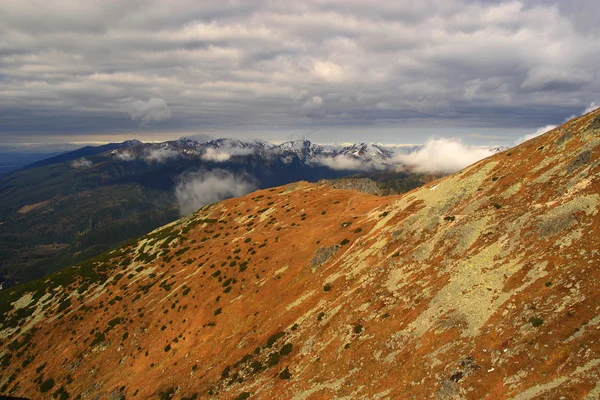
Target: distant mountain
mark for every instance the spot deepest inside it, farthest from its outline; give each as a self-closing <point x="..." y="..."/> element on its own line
<point x="368" y="152"/>
<point x="368" y="156"/>
<point x="11" y="161"/>
<point x="70" y="207"/>
<point x="480" y="285"/>
<point x="83" y="152"/>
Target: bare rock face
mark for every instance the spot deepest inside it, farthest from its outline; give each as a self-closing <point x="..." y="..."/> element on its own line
<point x="364" y="185"/>
<point x="324" y="254"/>
<point x="480" y="285"/>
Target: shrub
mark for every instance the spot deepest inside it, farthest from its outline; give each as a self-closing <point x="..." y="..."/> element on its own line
<point x="286" y="349"/>
<point x="271" y="341"/>
<point x="344" y="242"/>
<point x="256" y="366"/>
<point x="535" y="321"/>
<point x="47" y="385"/>
<point x="285" y="374"/>
<point x="98" y="339"/>
<point x="327" y="287"/>
<point x="273" y="360"/>
<point x="225" y="373"/>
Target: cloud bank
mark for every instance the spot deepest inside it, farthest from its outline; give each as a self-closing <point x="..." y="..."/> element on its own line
<point x="160" y="155"/>
<point x="224" y="153"/>
<point x="444" y="155"/>
<point x="81" y="163"/>
<point x="593" y="106"/>
<point x="344" y="162"/>
<point x="125" y="156"/>
<point x="538" y="132"/>
<point x="199" y="189"/>
<point x="264" y="65"/>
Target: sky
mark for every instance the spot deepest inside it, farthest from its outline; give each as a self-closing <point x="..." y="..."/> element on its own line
<point x="331" y="71"/>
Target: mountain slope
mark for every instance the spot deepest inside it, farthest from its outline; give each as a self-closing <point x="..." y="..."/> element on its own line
<point x="480" y="285"/>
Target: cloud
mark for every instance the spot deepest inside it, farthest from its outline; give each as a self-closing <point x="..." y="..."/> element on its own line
<point x="551" y="78"/>
<point x="538" y="132"/>
<point x="260" y="66"/>
<point x="347" y="163"/>
<point x="313" y="102"/>
<point x="125" y="156"/>
<point x="195" y="190"/>
<point x="154" y="109"/>
<point x="159" y="155"/>
<point x="81" y="163"/>
<point x="443" y="155"/>
<point x="593" y="106"/>
<point x="224" y="153"/>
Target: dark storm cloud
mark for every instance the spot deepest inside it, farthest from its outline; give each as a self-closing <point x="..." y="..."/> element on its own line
<point x="113" y="66"/>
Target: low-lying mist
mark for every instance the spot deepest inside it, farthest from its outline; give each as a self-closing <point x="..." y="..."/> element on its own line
<point x="198" y="189"/>
<point x="443" y="155"/>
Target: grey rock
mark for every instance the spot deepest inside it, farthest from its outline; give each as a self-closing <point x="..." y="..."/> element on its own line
<point x="324" y="254"/>
<point x="582" y="159"/>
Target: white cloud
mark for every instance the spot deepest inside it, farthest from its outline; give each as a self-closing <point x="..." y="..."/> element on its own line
<point x="443" y="155"/>
<point x="199" y="189"/>
<point x="154" y="109"/>
<point x="81" y="163"/>
<point x="347" y="163"/>
<point x="538" y="132"/>
<point x="159" y="155"/>
<point x="125" y="156"/>
<point x="328" y="71"/>
<point x="224" y="153"/>
<point x="593" y="106"/>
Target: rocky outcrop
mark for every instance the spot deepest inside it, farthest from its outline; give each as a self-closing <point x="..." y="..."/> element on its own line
<point x="323" y="255"/>
<point x="364" y="185"/>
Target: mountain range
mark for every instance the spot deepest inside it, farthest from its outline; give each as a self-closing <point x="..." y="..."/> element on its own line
<point x="73" y="206"/>
<point x="480" y="285"/>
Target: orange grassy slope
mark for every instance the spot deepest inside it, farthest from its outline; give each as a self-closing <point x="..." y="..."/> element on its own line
<point x="481" y="285"/>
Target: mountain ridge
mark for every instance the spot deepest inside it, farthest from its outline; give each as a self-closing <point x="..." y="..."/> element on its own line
<point x="71" y="207"/>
